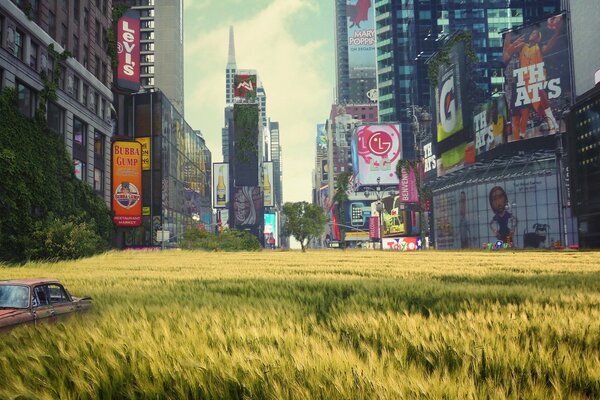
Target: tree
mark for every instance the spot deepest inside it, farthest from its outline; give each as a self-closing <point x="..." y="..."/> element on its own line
<point x="304" y="221"/>
<point x="340" y="198"/>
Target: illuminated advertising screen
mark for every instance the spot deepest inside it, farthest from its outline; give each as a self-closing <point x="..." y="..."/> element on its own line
<point x="454" y="136"/>
<point x="321" y="137"/>
<point x="376" y="150"/>
<point x="145" y="142"/>
<point x="220" y="185"/>
<point x="324" y="171"/>
<point x="271" y="231"/>
<point x="361" y="37"/>
<point x="357" y="215"/>
<point x="127" y="183"/>
<point x="244" y="87"/>
<point x="489" y="124"/>
<point x="537" y="77"/>
<point x="522" y="211"/>
<point x="397" y="218"/>
<point x="268" y="184"/>
<point x="128" y="49"/>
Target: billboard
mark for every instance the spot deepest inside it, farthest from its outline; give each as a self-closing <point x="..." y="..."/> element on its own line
<point x="127" y="183"/>
<point x="357" y="215"/>
<point x="244" y="87"/>
<point x="128" y="49"/>
<point x="537" y="77"/>
<point x="145" y="142"/>
<point x="247" y="206"/>
<point x="361" y="37"/>
<point x="454" y="137"/>
<point x="324" y="170"/>
<point x="220" y="185"/>
<point x="397" y="218"/>
<point x="522" y="211"/>
<point x="402" y="244"/>
<point x="321" y="137"/>
<point x="271" y="231"/>
<point x="376" y="150"/>
<point x="408" y="186"/>
<point x="245" y="144"/>
<point x="268" y="184"/>
<point x="489" y="124"/>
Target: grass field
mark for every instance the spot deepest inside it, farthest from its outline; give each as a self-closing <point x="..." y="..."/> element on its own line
<point x="330" y="324"/>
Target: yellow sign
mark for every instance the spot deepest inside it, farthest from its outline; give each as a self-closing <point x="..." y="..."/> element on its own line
<point x="145" y="142"/>
<point x="145" y="211"/>
<point x="357" y="234"/>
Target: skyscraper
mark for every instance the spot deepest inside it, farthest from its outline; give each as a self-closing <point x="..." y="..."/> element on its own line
<point x="161" y="55"/>
<point x="408" y="33"/>
<point x="355" y="52"/>
<point x="277" y="163"/>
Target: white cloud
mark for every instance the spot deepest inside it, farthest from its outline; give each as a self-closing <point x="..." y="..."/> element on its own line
<point x="297" y="87"/>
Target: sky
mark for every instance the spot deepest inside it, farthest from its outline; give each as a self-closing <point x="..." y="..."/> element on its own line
<point x="291" y="45"/>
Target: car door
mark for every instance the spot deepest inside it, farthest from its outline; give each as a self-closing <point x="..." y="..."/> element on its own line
<point x="60" y="300"/>
<point x="40" y="305"/>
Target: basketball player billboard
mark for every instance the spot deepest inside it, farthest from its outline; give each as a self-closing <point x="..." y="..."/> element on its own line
<point x="537" y="77"/>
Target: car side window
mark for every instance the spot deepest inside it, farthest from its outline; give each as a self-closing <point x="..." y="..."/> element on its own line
<point x="57" y="294"/>
<point x="40" y="296"/>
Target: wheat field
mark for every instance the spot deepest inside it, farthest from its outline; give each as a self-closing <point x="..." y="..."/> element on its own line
<point x="316" y="325"/>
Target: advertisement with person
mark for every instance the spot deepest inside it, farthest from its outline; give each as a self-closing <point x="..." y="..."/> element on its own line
<point x="489" y="124"/>
<point x="376" y="150"/>
<point x="127" y="183"/>
<point x="321" y="137"/>
<point x="247" y="206"/>
<point x="220" y="184"/>
<point x="537" y="77"/>
<point x="361" y="37"/>
<point x="397" y="219"/>
<point x="521" y="213"/>
<point x="271" y="234"/>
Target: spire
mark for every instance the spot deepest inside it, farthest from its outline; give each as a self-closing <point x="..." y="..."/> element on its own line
<point x="231" y="56"/>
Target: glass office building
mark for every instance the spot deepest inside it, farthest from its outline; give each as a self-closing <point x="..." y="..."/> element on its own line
<point x="176" y="191"/>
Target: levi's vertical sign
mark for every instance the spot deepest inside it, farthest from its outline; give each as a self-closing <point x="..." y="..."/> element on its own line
<point x="128" y="47"/>
<point x="127" y="183"/>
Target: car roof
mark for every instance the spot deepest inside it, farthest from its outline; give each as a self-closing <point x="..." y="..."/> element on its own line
<point x="29" y="282"/>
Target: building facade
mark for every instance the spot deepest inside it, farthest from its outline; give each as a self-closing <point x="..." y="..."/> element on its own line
<point x="408" y="33"/>
<point x="161" y="52"/>
<point x="81" y="115"/>
<point x="176" y="189"/>
<point x="355" y="52"/>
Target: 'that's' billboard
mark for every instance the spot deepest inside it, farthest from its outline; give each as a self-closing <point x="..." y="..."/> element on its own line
<point x="537" y="77"/>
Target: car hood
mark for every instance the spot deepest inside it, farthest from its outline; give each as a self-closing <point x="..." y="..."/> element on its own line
<point x="10" y="313"/>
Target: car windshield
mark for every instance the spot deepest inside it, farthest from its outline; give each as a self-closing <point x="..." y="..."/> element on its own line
<point x="14" y="296"/>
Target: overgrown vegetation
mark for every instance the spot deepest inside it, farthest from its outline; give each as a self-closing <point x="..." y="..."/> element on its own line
<point x="318" y="325"/>
<point x="304" y="222"/>
<point x="39" y="193"/>
<point x="228" y="240"/>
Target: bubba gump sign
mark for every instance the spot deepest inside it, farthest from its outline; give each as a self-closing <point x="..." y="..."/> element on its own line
<point x="127" y="183"/>
<point x="128" y="48"/>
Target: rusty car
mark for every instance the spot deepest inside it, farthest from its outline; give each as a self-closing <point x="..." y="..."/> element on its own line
<point x="35" y="301"/>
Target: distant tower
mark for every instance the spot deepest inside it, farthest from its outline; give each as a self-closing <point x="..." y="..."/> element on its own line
<point x="230" y="69"/>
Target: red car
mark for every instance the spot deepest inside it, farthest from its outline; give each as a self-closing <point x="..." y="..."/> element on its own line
<point x="35" y="301"/>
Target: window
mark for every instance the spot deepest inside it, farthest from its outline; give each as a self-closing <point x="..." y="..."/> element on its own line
<point x="76" y="9"/>
<point x="97" y="103"/>
<point x="98" y="33"/>
<point x="97" y="73"/>
<point x="148" y="81"/>
<point x="147" y="35"/>
<point x="98" y="180"/>
<point x="76" y="88"/>
<point x="61" y="78"/>
<point x="52" y="24"/>
<point x="148" y="69"/>
<point x="40" y="297"/>
<point x="98" y="145"/>
<point x="104" y="6"/>
<point x="26" y="100"/>
<point x="86" y="21"/>
<point x="75" y="47"/>
<point x="57" y="294"/>
<point x="104" y="74"/>
<point x="85" y="56"/>
<point x="65" y="33"/>
<point x="148" y="58"/>
<point x="79" y="129"/>
<point x="18" y="46"/>
<point x="103" y="109"/>
<point x="33" y="56"/>
<point x="85" y="95"/>
<point x="55" y="118"/>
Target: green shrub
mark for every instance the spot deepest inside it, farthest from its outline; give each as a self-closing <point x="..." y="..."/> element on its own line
<point x="228" y="240"/>
<point x="58" y="239"/>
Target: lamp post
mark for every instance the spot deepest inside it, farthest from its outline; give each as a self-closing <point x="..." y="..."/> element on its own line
<point x="379" y="192"/>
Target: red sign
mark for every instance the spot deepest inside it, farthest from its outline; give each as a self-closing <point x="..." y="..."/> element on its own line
<point x="408" y="186"/>
<point x="128" y="47"/>
<point x="374" y="227"/>
<point x="402" y="244"/>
